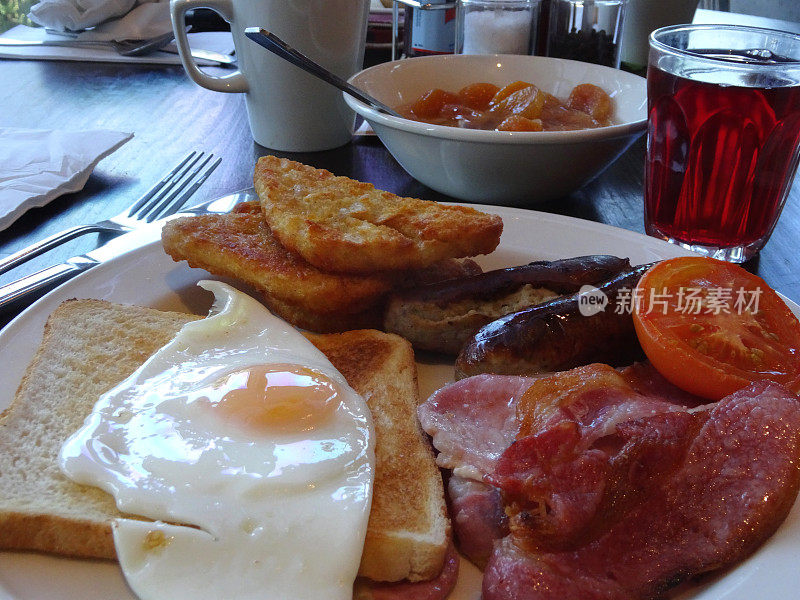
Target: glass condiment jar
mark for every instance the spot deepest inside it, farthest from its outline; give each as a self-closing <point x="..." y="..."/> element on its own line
<point x="496" y="26"/>
<point x="586" y="30"/>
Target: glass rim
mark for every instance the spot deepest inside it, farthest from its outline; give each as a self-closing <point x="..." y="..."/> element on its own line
<point x="721" y="60"/>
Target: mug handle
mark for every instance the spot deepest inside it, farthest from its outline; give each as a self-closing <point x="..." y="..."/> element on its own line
<point x="232" y="82"/>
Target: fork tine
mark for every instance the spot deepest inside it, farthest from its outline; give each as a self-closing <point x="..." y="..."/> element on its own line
<point x="175" y="180"/>
<point x="157" y="187"/>
<point x="175" y="205"/>
<point x="167" y="201"/>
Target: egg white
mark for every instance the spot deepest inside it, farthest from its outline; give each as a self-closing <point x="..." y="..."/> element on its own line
<point x="237" y="514"/>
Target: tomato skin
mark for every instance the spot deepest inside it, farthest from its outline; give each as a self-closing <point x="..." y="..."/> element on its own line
<point x="715" y="354"/>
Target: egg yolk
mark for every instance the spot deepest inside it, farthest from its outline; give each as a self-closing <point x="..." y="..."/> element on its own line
<point x="278" y="396"/>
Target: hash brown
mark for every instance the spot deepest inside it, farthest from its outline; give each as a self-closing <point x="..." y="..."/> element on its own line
<point x="343" y="225"/>
<point x="240" y="245"/>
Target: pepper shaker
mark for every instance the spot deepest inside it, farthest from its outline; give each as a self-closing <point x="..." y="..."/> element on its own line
<point x="586" y="30"/>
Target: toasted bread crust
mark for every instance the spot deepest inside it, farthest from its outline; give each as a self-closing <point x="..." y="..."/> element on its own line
<point x="342" y="225"/>
<point x="408" y="528"/>
<point x="90" y="345"/>
<point x="58" y="535"/>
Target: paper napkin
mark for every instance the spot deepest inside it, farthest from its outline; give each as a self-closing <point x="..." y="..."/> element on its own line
<point x="111" y="19"/>
<point x="37" y="166"/>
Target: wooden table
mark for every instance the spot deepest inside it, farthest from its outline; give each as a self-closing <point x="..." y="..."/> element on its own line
<point x="171" y="116"/>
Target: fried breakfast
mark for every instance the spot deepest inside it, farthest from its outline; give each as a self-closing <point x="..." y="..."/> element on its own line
<point x="341" y="225"/>
<point x="443" y="316"/>
<point x="237" y="406"/>
<point x="518" y="106"/>
<point x="570" y="473"/>
<point x="233" y="455"/>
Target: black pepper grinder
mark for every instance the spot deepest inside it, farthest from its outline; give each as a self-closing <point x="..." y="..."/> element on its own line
<point x="586" y="30"/>
<point x="542" y="28"/>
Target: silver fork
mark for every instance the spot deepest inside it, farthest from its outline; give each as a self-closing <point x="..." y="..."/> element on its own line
<point x="123" y="47"/>
<point x="162" y="200"/>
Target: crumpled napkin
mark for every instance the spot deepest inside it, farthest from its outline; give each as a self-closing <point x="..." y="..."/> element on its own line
<point x="37" y="165"/>
<point x="109" y="19"/>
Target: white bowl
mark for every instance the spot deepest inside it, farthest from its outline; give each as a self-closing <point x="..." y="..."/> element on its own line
<point x="500" y="167"/>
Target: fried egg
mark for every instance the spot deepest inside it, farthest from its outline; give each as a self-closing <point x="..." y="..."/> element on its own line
<point x="242" y="459"/>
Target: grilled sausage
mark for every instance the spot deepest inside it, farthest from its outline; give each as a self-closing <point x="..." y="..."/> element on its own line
<point x="443" y="316"/>
<point x="555" y="336"/>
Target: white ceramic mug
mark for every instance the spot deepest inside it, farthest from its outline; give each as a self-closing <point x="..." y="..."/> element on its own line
<point x="288" y="109"/>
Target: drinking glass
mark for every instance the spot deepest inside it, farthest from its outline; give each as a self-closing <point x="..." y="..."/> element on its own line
<point x="723" y="137"/>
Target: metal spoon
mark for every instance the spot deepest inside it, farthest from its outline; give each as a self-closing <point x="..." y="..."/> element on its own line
<point x="274" y="44"/>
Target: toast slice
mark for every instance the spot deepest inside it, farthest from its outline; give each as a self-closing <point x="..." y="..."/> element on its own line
<point x="91" y="345"/>
<point x="88" y="347"/>
<point x="407" y="534"/>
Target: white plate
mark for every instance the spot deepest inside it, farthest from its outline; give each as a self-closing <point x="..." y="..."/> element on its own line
<point x="149" y="277"/>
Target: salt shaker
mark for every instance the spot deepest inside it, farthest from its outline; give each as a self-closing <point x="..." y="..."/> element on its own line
<point x="496" y="26"/>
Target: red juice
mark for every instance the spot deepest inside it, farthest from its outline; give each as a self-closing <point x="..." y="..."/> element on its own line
<point x="720" y="158"/>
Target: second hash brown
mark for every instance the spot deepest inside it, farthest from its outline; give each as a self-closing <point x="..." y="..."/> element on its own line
<point x="342" y="225"/>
